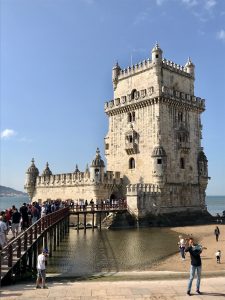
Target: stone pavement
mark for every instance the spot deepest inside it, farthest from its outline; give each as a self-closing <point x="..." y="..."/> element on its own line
<point x="212" y="288"/>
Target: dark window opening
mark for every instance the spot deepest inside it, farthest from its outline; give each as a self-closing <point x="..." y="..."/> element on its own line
<point x="133" y="93"/>
<point x="130" y="138"/>
<point x="131" y="117"/>
<point x="159" y="161"/>
<point x="107" y="146"/>
<point x="156" y="56"/>
<point x="131" y="163"/>
<point x="96" y="171"/>
<point x="180" y="117"/>
<point x="182" y="163"/>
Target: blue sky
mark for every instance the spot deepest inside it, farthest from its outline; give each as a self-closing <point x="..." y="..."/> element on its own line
<point x="56" y="63"/>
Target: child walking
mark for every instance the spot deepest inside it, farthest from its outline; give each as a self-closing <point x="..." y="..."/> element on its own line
<point x="218" y="256"/>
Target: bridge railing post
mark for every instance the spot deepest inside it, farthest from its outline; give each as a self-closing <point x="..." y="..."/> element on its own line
<point x="18" y="248"/>
<point x="35" y="230"/>
<point x="25" y="241"/>
<point x="39" y="226"/>
<point x="10" y="255"/>
<point x="31" y="235"/>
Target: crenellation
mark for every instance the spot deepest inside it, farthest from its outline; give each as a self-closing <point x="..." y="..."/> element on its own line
<point x="170" y="65"/>
<point x="148" y="93"/>
<point x="134" y="69"/>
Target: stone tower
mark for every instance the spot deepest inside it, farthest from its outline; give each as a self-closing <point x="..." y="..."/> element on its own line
<point x="154" y="136"/>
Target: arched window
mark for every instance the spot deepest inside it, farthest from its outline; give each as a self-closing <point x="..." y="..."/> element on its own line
<point x="131" y="163"/>
<point x="131" y="116"/>
<point x="96" y="172"/>
<point x="133" y="93"/>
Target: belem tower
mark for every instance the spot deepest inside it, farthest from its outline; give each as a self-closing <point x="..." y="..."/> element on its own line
<point x="152" y="148"/>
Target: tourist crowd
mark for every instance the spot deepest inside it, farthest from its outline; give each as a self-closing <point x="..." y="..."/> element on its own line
<point x="17" y="220"/>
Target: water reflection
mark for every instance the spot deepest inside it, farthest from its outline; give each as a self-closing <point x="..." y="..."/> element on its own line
<point x="111" y="251"/>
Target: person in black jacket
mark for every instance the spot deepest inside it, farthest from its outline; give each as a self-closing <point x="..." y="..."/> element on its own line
<point x="217" y="233"/>
<point x="196" y="264"/>
<point x="16" y="217"/>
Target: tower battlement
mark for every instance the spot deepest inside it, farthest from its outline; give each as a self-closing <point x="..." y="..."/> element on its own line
<point x="148" y="97"/>
<point x="78" y="178"/>
<point x="148" y="64"/>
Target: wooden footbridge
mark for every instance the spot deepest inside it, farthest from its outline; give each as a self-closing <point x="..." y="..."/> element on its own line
<point x="18" y="258"/>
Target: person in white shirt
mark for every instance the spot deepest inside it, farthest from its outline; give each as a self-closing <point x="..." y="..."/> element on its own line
<point x="41" y="267"/>
<point x="182" y="244"/>
<point x="3" y="231"/>
<point x="218" y="256"/>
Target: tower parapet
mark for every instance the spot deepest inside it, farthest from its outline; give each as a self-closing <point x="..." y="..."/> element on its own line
<point x="148" y="97"/>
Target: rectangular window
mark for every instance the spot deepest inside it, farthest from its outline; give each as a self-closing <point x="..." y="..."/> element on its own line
<point x="159" y="161"/>
<point x="182" y="163"/>
<point x="106" y="146"/>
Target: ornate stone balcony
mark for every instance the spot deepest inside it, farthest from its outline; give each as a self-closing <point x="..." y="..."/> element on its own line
<point x="131" y="148"/>
<point x="184" y="146"/>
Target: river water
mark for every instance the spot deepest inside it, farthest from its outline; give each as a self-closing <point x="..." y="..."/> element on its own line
<point x="83" y="254"/>
<point x="112" y="250"/>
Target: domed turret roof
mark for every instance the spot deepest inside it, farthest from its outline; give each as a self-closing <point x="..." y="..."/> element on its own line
<point x="117" y="66"/>
<point x="98" y="162"/>
<point x="158" y="151"/>
<point x="76" y="169"/>
<point x="202" y="156"/>
<point x="32" y="169"/>
<point x="189" y="63"/>
<point x="47" y="171"/>
<point x="156" y="48"/>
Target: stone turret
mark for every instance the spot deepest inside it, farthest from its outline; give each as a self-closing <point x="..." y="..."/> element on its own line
<point x="76" y="169"/>
<point x="47" y="171"/>
<point x="157" y="54"/>
<point x="31" y="176"/>
<point x="202" y="164"/>
<point x="159" y="164"/>
<point x="190" y="67"/>
<point x="115" y="74"/>
<point x="97" y="168"/>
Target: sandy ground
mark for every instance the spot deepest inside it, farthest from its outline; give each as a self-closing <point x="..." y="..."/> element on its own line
<point x="205" y="236"/>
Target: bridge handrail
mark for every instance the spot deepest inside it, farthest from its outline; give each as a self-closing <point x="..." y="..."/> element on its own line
<point x="98" y="207"/>
<point x="26" y="237"/>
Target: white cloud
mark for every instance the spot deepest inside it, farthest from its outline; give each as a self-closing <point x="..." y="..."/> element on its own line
<point x="160" y="2"/>
<point x="221" y="35"/>
<point x="7" y="133"/>
<point x="210" y="4"/>
<point x="190" y="3"/>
